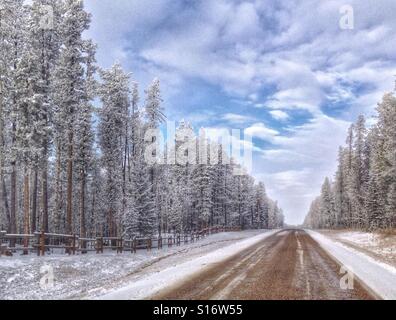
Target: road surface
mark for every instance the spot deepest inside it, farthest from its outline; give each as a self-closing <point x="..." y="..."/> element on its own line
<point x="289" y="265"/>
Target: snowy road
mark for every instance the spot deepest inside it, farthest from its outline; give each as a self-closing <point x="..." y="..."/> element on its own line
<point x="259" y="264"/>
<point x="286" y="265"/>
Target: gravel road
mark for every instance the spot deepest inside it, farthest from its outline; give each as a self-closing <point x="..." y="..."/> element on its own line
<point x="289" y="265"/>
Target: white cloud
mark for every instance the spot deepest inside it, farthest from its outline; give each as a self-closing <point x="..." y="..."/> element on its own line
<point x="246" y="46"/>
<point x="279" y="115"/>
<point x="260" y="131"/>
<point x="237" y="118"/>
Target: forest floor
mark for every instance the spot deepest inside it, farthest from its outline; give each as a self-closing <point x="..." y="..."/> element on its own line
<point x="380" y="246"/>
<point x="91" y="275"/>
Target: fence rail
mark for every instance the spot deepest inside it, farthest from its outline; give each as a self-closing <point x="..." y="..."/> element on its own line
<point x="41" y="242"/>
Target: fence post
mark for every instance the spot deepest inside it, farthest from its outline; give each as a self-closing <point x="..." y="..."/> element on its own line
<point x="2" y="234"/>
<point x="97" y="245"/>
<point x="120" y="245"/>
<point x="74" y="244"/>
<point x="38" y="243"/>
<point x="42" y="243"/>
<point x="101" y="245"/>
<point x="134" y="245"/>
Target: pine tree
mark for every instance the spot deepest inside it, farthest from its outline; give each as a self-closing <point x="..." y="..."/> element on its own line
<point x="114" y="93"/>
<point x="340" y="195"/>
<point x="261" y="209"/>
<point x="70" y="88"/>
<point x="154" y="115"/>
<point x="85" y="135"/>
<point x="387" y="132"/>
<point x="13" y="15"/>
<point x="359" y="173"/>
<point x="45" y="44"/>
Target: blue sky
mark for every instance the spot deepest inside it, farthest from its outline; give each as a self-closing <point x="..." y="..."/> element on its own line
<point x="284" y="71"/>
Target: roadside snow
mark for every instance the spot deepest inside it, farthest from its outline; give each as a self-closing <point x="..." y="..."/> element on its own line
<point x="378" y="276"/>
<point x="379" y="246"/>
<point x="90" y="275"/>
<point x="170" y="276"/>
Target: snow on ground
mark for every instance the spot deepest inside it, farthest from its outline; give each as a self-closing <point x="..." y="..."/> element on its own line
<point x="89" y="276"/>
<point x="164" y="278"/>
<point x="378" y="276"/>
<point x="379" y="246"/>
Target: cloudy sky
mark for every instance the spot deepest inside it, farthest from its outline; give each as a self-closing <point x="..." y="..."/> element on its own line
<point x="284" y="71"/>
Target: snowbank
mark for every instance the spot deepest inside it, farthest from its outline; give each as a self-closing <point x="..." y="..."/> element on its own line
<point x="378" y="276"/>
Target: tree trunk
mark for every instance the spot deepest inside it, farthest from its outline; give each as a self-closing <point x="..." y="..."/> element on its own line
<point x="26" y="209"/>
<point x="5" y="203"/>
<point x="2" y="153"/>
<point x="44" y="225"/>
<point x="94" y="230"/>
<point x="34" y="200"/>
<point x="111" y="227"/>
<point x="82" y="209"/>
<point x="13" y="223"/>
<point x="58" y="189"/>
<point x="44" y="187"/>
<point x="69" y="207"/>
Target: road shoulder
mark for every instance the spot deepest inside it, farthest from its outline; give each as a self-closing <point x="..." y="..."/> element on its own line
<point x="377" y="276"/>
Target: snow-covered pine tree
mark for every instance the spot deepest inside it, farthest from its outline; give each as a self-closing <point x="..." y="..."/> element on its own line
<point x="387" y="132"/>
<point x="144" y="202"/>
<point x="44" y="41"/>
<point x="182" y="199"/>
<point x="115" y="96"/>
<point x="202" y="184"/>
<point x="70" y="89"/>
<point x="140" y="217"/>
<point x="242" y="200"/>
<point x="13" y="16"/>
<point x="136" y="121"/>
<point x="154" y="115"/>
<point x="359" y="173"/>
<point x="84" y="154"/>
<point x="261" y="208"/>
<point x="327" y="205"/>
<point x="220" y="186"/>
<point x="275" y="215"/>
<point x="350" y="177"/>
<point x="340" y="202"/>
<point x="4" y="74"/>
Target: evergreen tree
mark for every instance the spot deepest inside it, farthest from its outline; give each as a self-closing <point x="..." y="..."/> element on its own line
<point x="70" y="89"/>
<point x="114" y="93"/>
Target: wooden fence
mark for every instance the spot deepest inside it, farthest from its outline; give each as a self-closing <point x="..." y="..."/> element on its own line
<point x="41" y="243"/>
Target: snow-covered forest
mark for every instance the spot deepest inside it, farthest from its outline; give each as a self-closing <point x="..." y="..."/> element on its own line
<point x="363" y="194"/>
<point x="72" y="139"/>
